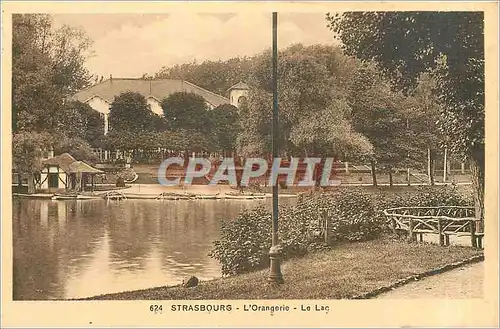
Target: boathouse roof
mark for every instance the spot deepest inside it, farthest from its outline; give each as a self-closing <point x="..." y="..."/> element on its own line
<point x="70" y="165"/>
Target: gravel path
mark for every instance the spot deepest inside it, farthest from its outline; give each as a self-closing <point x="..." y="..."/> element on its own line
<point x="461" y="283"/>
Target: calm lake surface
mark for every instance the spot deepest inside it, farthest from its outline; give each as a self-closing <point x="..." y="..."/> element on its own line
<point x="72" y="249"/>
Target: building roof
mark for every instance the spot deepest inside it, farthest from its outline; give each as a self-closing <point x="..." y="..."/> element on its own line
<point x="64" y="161"/>
<point x="70" y="165"/>
<point x="82" y="167"/>
<point x="239" y="85"/>
<point x="158" y="89"/>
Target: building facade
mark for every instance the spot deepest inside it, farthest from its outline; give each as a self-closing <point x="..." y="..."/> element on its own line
<point x="101" y="95"/>
<point x="238" y="94"/>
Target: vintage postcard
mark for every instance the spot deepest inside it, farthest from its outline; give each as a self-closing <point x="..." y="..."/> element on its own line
<point x="249" y="164"/>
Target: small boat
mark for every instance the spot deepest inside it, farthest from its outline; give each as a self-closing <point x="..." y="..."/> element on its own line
<point x="208" y="196"/>
<point x="64" y="196"/>
<point x="141" y="196"/>
<point x="244" y="197"/>
<point x="34" y="195"/>
<point x="114" y="195"/>
<point x="245" y="194"/>
<point x="88" y="197"/>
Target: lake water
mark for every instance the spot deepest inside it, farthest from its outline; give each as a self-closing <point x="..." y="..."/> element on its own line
<point x="72" y="249"/>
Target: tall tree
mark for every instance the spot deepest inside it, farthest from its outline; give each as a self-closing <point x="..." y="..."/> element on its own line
<point x="47" y="66"/>
<point x="131" y="112"/>
<point x="377" y="113"/>
<point x="462" y="117"/>
<point x="77" y="147"/>
<point x="406" y="44"/>
<point x="216" y="76"/>
<point x="80" y="120"/>
<point x="185" y="110"/>
<point x="27" y="151"/>
<point x="314" y="112"/>
<point x="423" y="114"/>
<point x="225" y="126"/>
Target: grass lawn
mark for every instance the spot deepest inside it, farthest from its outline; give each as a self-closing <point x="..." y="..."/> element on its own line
<point x="343" y="272"/>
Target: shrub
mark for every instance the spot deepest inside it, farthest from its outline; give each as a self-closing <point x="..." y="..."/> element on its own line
<point x="438" y="196"/>
<point x="422" y="196"/>
<point x="353" y="216"/>
<point x="120" y="182"/>
<point x="244" y="242"/>
<point x="126" y="174"/>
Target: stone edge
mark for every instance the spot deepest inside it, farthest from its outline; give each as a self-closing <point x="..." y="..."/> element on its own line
<point x="416" y="277"/>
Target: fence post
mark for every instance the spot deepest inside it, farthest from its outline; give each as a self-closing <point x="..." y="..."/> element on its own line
<point x="473" y="239"/>
<point x="411" y="235"/>
<point x="327" y="235"/>
<point x="440" y="232"/>
<point x="393" y="224"/>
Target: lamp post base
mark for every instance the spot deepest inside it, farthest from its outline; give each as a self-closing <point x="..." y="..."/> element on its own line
<point x="275" y="275"/>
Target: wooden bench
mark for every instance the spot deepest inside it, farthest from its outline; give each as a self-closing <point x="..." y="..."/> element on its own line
<point x="443" y="221"/>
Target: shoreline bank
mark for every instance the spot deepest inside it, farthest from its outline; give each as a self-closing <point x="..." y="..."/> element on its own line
<point x="218" y="192"/>
<point x="331" y="274"/>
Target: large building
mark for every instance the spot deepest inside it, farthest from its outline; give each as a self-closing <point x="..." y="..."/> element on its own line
<point x="101" y="95"/>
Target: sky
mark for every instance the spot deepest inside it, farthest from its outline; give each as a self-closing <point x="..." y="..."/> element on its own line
<point x="129" y="45"/>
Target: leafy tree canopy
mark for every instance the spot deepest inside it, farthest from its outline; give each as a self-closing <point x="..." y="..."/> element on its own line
<point x="314" y="110"/>
<point x="47" y="67"/>
<point x="225" y="126"/>
<point x="216" y="76"/>
<point x="185" y="110"/>
<point x="131" y="112"/>
<point x="449" y="44"/>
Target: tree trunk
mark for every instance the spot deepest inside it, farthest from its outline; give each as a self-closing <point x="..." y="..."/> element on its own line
<point x="445" y="164"/>
<point x="31" y="183"/>
<point x="20" y="180"/>
<point x="374" y="173"/>
<point x="317" y="176"/>
<point x="430" y="172"/>
<point x="477" y="171"/>
<point x="408" y="176"/>
<point x="390" y="177"/>
<point x="314" y="176"/>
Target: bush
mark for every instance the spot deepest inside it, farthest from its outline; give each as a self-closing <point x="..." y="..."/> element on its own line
<point x="120" y="182"/>
<point x="244" y="242"/>
<point x="422" y="196"/>
<point x="127" y="174"/>
<point x="353" y="216"/>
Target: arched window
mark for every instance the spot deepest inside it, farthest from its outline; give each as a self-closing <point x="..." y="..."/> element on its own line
<point x="242" y="100"/>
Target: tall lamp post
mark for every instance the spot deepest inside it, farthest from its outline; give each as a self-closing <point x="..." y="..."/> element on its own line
<point x="275" y="275"/>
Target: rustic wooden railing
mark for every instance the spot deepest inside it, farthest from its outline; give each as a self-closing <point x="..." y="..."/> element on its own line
<point x="443" y="221"/>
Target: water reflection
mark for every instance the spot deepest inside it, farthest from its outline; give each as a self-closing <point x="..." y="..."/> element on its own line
<point x="69" y="249"/>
